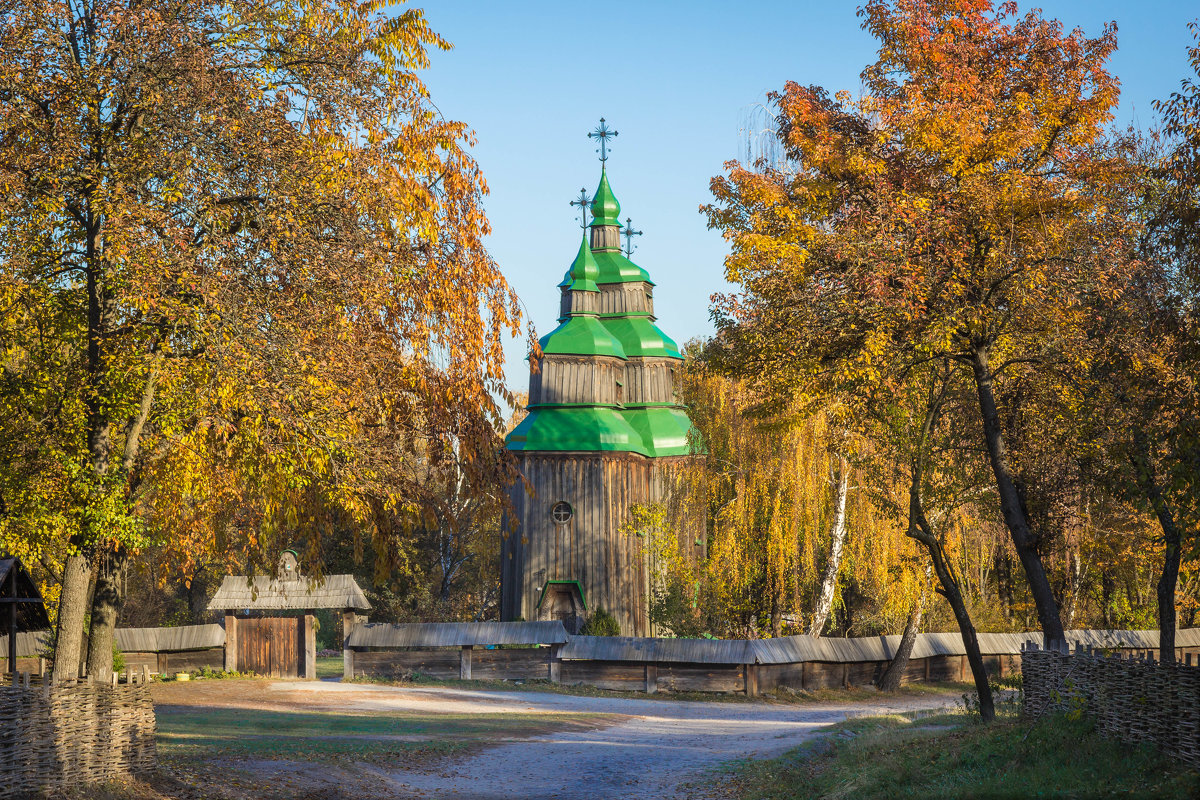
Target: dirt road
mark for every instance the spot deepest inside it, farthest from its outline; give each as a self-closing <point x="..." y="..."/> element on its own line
<point x="656" y="752"/>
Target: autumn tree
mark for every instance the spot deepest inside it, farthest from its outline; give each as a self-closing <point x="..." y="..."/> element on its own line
<point x="955" y="212"/>
<point x="239" y="230"/>
<point x="789" y="531"/>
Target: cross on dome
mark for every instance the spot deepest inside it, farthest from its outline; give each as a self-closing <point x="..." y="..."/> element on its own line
<point x="628" y="232"/>
<point x="585" y="205"/>
<point x="603" y="133"/>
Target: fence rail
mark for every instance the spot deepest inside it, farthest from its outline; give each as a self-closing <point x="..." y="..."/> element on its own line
<point x="1131" y="699"/>
<point x="463" y="650"/>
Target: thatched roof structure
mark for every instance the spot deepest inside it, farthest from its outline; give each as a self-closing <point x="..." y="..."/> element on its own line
<point x="265" y="593"/>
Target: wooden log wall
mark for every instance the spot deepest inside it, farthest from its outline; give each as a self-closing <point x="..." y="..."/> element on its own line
<point x="593" y="547"/>
<point x="581" y="380"/>
<point x="585" y="302"/>
<point x="650" y="380"/>
<point x="445" y="663"/>
<point x="634" y="297"/>
<point x="639" y="676"/>
<point x="605" y="237"/>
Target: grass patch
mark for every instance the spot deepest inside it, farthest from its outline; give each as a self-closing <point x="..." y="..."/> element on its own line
<point x="952" y="755"/>
<point x="204" y="733"/>
<point x="330" y="667"/>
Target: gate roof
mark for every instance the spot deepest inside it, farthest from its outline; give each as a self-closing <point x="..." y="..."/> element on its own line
<point x="265" y="593"/>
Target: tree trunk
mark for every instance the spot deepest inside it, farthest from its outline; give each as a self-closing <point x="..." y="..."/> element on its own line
<point x="890" y="681"/>
<point x="841" y="483"/>
<point x="72" y="610"/>
<point x="1012" y="505"/>
<point x="106" y="603"/>
<point x="1168" y="580"/>
<point x="919" y="529"/>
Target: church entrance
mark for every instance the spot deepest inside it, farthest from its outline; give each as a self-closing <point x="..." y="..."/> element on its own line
<point x="563" y="601"/>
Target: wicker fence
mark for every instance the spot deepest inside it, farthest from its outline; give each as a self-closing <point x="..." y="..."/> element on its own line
<point x="1132" y="699"/>
<point x="55" y="736"/>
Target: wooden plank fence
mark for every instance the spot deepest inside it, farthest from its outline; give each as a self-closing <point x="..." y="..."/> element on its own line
<point x="448" y="650"/>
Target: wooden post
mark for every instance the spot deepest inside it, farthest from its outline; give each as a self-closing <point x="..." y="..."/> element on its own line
<point x="41" y="667"/>
<point x="750" y="676"/>
<point x="651" y="678"/>
<point x="231" y="642"/>
<point x="845" y="675"/>
<point x="164" y="662"/>
<point x="12" y="626"/>
<point x="962" y="669"/>
<point x="464" y="662"/>
<point x="803" y="674"/>
<point x="554" y="670"/>
<point x="310" y="648"/>
<point x="349" y="621"/>
<point x="927" y="660"/>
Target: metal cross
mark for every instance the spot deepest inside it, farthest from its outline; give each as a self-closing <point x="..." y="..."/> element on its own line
<point x="585" y="204"/>
<point x="629" y="233"/>
<point x="602" y="133"/>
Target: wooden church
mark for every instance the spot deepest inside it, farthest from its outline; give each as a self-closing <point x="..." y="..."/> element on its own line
<point x="604" y="430"/>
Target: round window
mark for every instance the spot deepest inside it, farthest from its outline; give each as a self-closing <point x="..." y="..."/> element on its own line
<point x="561" y="512"/>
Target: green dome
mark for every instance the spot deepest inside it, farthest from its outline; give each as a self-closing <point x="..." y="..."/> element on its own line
<point x="588" y="429"/>
<point x="582" y="274"/>
<point x="582" y="336"/>
<point x="605" y="208"/>
<point x="616" y="268"/>
<point x="641" y="337"/>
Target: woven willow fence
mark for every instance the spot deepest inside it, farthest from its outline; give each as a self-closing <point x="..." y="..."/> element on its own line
<point x="1131" y="699"/>
<point x="54" y="736"/>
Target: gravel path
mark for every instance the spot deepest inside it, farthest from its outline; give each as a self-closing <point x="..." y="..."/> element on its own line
<point x="662" y="745"/>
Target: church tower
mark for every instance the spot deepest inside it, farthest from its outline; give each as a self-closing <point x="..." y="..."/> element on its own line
<point x="603" y="431"/>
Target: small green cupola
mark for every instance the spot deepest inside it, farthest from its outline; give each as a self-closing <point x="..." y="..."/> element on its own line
<point x="582" y="274"/>
<point x="605" y="208"/>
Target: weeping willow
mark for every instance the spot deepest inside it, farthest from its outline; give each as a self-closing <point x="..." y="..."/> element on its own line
<point x="766" y="490"/>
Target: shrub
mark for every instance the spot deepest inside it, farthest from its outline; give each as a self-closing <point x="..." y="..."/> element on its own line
<point x="601" y="623"/>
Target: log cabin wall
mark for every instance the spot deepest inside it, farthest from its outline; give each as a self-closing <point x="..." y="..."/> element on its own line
<point x="635" y="297"/>
<point x="591" y="548"/>
<point x="577" y="380"/>
<point x="587" y="302"/>
<point x="605" y="237"/>
<point x="650" y="381"/>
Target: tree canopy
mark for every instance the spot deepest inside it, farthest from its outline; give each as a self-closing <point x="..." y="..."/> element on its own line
<point x="235" y="239"/>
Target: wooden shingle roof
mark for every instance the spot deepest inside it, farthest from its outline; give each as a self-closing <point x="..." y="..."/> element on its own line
<point x="456" y="634"/>
<point x="795" y="649"/>
<point x="265" y="593"/>
<point x="167" y="640"/>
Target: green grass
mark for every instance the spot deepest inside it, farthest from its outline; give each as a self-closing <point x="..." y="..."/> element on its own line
<point x="330" y="667"/>
<point x="204" y="733"/>
<point x="952" y="755"/>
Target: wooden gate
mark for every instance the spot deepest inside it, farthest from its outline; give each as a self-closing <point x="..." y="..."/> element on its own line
<point x="270" y="645"/>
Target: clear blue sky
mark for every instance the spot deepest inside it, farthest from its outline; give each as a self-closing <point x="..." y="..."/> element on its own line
<point x="676" y="80"/>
